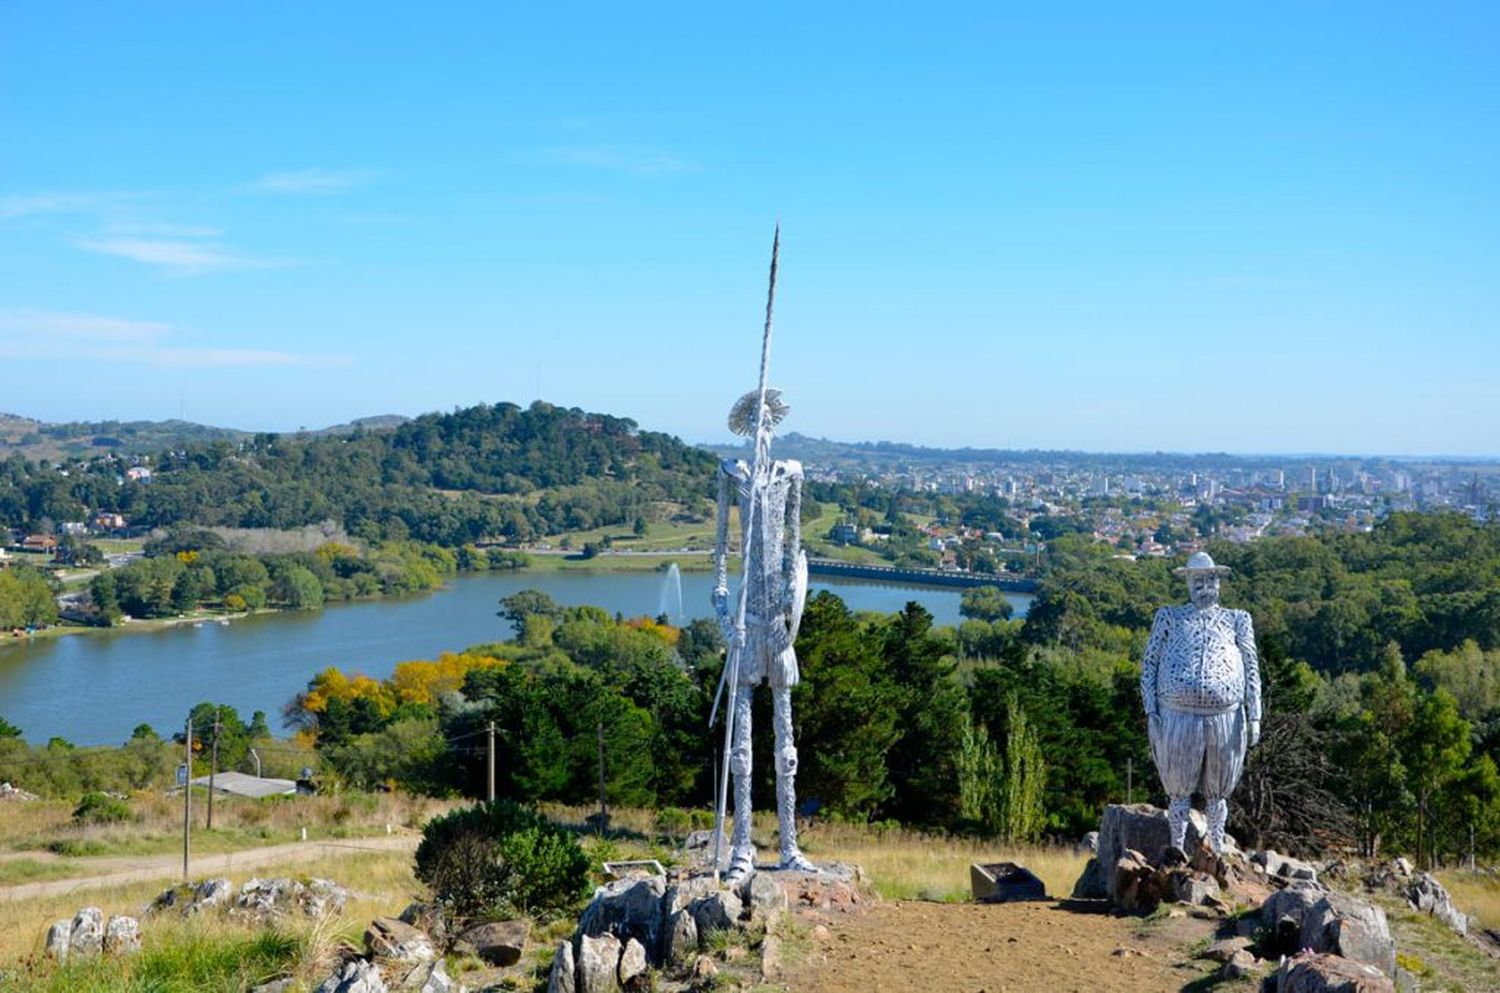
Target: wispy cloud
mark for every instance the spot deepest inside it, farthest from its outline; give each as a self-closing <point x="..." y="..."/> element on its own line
<point x="616" y="158"/>
<point x="42" y="334"/>
<point x="178" y="257"/>
<point x="317" y="182"/>
<point x="30" y="204"/>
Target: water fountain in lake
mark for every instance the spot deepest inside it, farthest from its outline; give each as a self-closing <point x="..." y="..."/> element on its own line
<point x="671" y="595"/>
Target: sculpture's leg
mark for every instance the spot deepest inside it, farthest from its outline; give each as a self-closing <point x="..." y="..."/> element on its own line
<point x="1177" y="820"/>
<point x="1179" y="759"/>
<point x="1223" y="762"/>
<point x="741" y="852"/>
<point x="786" y="779"/>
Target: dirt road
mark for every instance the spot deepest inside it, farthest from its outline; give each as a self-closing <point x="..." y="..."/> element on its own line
<point x="994" y="948"/>
<point x="111" y="871"/>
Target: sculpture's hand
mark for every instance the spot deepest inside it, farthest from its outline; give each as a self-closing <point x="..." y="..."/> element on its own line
<point x="1254" y="733"/>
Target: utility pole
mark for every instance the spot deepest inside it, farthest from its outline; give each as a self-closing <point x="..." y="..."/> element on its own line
<point x="213" y="770"/>
<point x="603" y="806"/>
<point x="187" y="800"/>
<point x="489" y="793"/>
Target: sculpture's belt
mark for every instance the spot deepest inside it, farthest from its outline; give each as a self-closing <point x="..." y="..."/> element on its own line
<point x="1199" y="709"/>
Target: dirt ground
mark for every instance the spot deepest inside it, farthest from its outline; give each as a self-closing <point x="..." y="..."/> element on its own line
<point x="1051" y="947"/>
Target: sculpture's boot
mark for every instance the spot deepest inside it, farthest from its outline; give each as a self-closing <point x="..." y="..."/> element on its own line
<point x="1218" y="815"/>
<point x="1177" y="820"/>
<point x="741" y="852"/>
<point x="786" y="783"/>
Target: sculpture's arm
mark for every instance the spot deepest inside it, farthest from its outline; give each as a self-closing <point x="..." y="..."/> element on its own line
<point x="1156" y="648"/>
<point x="795" y="565"/>
<point x="721" y="550"/>
<point x="793" y="519"/>
<point x="1244" y="636"/>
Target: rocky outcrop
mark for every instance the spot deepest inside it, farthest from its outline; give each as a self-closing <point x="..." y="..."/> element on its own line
<point x="498" y="942"/>
<point x="358" y="976"/>
<point x="1284" y="867"/>
<point x="392" y="940"/>
<point x="1314" y="972"/>
<point x="1426" y="895"/>
<point x="598" y="963"/>
<point x="87" y="935"/>
<point x="1283" y="912"/>
<point x="563" y="977"/>
<point x="627" y="908"/>
<point x="263" y="899"/>
<point x="9" y="792"/>
<point x="1341" y="925"/>
<point x="122" y="935"/>
<point x="194" y="898"/>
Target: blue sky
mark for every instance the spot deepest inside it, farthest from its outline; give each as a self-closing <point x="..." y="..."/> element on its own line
<point x="1269" y="227"/>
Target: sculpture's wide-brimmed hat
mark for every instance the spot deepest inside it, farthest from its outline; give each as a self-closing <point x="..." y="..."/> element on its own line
<point x="1202" y="562"/>
<point x="742" y="414"/>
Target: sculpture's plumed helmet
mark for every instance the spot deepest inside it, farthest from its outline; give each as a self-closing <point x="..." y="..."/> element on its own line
<point x="742" y="414"/>
<point x="1202" y="562"/>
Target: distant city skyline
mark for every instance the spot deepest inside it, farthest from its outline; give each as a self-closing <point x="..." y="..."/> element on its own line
<point x="1166" y="228"/>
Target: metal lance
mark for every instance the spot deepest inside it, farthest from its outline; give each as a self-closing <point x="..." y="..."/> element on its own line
<point x="760" y="474"/>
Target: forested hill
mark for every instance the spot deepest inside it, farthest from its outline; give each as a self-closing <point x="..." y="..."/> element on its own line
<point x="483" y="472"/>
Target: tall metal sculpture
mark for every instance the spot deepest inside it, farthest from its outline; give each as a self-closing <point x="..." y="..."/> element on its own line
<point x="1200" y="684"/>
<point x="761" y="629"/>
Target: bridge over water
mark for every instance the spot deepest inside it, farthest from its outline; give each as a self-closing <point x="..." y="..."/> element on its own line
<point x="925" y="577"/>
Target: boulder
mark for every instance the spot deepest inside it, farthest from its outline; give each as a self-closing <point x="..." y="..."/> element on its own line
<point x="1239" y="965"/>
<point x="1225" y="948"/>
<point x="598" y="960"/>
<point x="1342" y="925"/>
<point x="391" y="940"/>
<point x="498" y="943"/>
<point x="357" y="976"/>
<point x="1142" y="828"/>
<point x="1427" y="895"/>
<point x="718" y="911"/>
<point x="59" y="935"/>
<point x="679" y="938"/>
<point x="633" y="965"/>
<point x="434" y="978"/>
<point x="1091" y="884"/>
<point x="704" y="969"/>
<point x="627" y="908"/>
<point x="1402" y="866"/>
<point x="262" y="899"/>
<point x="1196" y="889"/>
<point x="763" y="896"/>
<point x="1283" y="913"/>
<point x="1283" y="866"/>
<point x="323" y="896"/>
<point x="122" y="935"/>
<point x="194" y="898"/>
<point x="770" y="958"/>
<point x="88" y="932"/>
<point x="1324" y="973"/>
<point x="1090" y="842"/>
<point x="428" y="917"/>
<point x="1131" y="883"/>
<point x="562" y="978"/>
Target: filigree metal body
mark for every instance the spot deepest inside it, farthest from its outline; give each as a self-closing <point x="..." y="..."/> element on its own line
<point x="762" y="627"/>
<point x="1200" y="684"/>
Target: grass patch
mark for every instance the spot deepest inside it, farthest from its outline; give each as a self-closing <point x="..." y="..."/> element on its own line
<point x="15" y="871"/>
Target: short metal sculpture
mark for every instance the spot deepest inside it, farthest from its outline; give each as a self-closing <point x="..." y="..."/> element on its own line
<point x="762" y="627"/>
<point x="1200" y="683"/>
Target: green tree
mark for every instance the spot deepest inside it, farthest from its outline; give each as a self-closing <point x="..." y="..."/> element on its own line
<point x="985" y="603"/>
<point x="1025" y="779"/>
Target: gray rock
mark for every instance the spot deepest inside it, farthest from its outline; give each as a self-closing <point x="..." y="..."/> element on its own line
<point x="122" y="935"/>
<point x="680" y="938"/>
<point x="1142" y="828"/>
<point x="1090" y="841"/>
<point x="1428" y="896"/>
<point x="498" y="943"/>
<point x="633" y="964"/>
<point x="1238" y="966"/>
<point x="1225" y="948"/>
<point x="1197" y="889"/>
<point x="1283" y="913"/>
<point x="391" y="940"/>
<point x="323" y="896"/>
<point x="598" y="959"/>
<point x="562" y="978"/>
<point x="59" y="935"/>
<point x="716" y="912"/>
<point x="1323" y="973"/>
<point x="1351" y="928"/>
<point x="762" y="895"/>
<point x="1283" y="866"/>
<point x="770" y="958"/>
<point x="1402" y="866"/>
<point x="704" y="969"/>
<point x="1091" y="884"/>
<point x="627" y="908"/>
<point x="88" y="932"/>
<point x="684" y="892"/>
<point x="194" y="898"/>
<point x="437" y="980"/>
<point x="358" y="976"/>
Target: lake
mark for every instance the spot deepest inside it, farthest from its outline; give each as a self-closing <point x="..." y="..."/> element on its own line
<point x="94" y="689"/>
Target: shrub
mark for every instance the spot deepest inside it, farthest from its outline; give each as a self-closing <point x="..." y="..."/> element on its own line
<point x="499" y="856"/>
<point x="101" y="808"/>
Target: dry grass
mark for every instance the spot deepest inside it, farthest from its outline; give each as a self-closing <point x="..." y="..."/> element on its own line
<point x="901" y="865"/>
<point x="380" y="884"/>
<point x="156" y="827"/>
